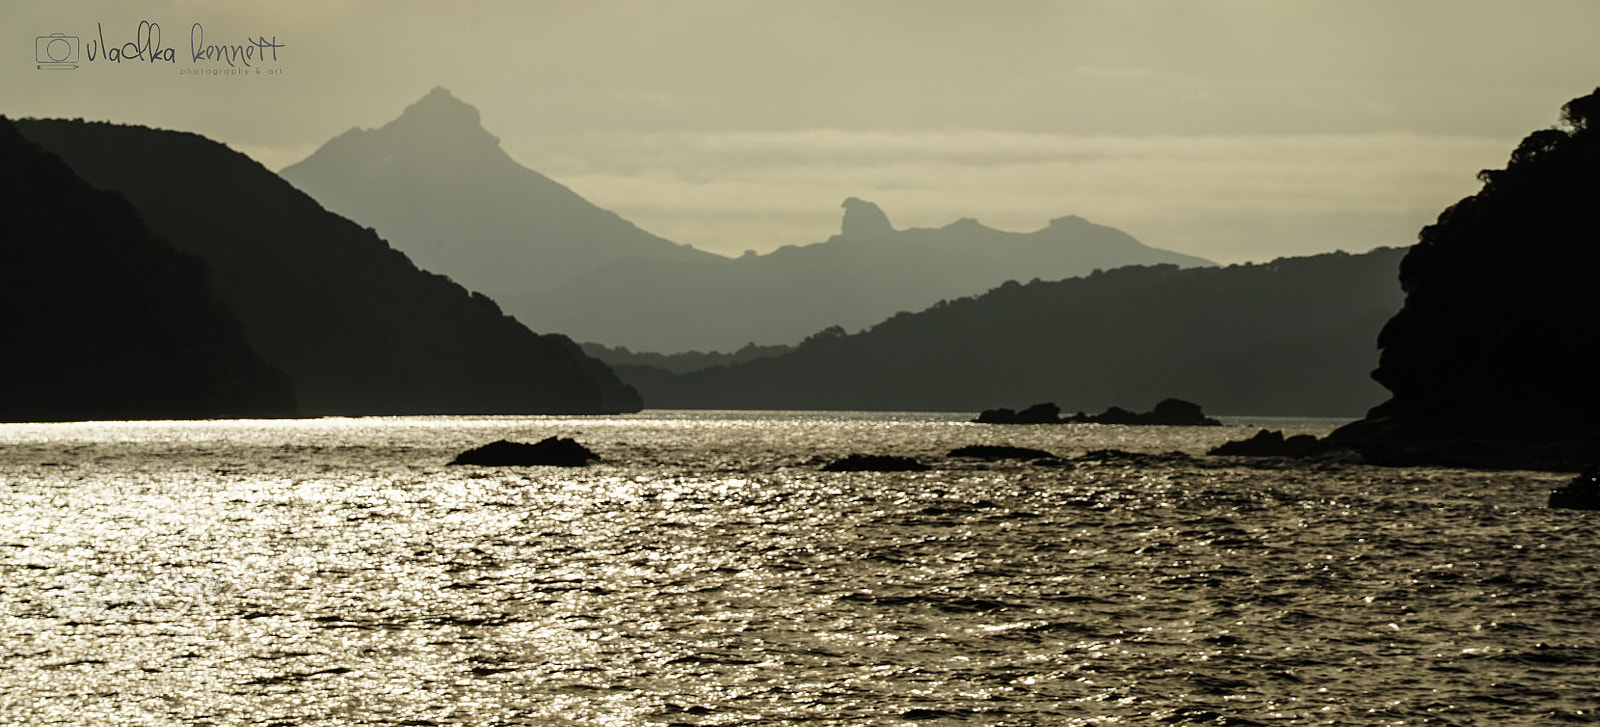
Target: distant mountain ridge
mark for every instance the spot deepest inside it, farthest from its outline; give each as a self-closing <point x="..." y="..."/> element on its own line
<point x="437" y="185"/>
<point x="1293" y="337"/>
<point x="682" y="363"/>
<point x="358" y="329"/>
<point x="858" y="277"/>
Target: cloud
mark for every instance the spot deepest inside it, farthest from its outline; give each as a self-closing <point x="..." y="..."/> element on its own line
<point x="1223" y="128"/>
<point x="1229" y="198"/>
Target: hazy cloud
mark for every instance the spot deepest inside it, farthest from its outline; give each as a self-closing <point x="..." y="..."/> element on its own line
<point x="1226" y="128"/>
<point x="1211" y="195"/>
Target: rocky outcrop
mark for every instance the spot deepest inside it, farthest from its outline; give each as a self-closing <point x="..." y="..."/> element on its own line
<point x="1491" y="360"/>
<point x="1168" y="412"/>
<point x="552" y="451"/>
<point x="864" y="219"/>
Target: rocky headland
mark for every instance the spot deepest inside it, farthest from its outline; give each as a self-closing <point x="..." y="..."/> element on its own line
<point x="1491" y="360"/>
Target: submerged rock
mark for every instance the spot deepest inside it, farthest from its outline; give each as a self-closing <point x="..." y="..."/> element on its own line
<point x="1119" y="456"/>
<point x="1412" y="442"/>
<point x="1582" y="493"/>
<point x="874" y="463"/>
<point x="998" y="451"/>
<point x="1267" y="444"/>
<point x="551" y="451"/>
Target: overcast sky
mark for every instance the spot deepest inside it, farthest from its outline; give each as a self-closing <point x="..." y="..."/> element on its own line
<point x="1235" y="130"/>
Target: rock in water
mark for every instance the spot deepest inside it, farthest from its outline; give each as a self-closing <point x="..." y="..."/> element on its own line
<point x="1178" y="412"/>
<point x="996" y="451"/>
<point x="874" y="463"/>
<point x="1046" y="413"/>
<point x="551" y="451"/>
<point x="1582" y="493"/>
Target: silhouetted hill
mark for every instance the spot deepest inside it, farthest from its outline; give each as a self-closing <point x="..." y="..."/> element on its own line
<point x="682" y="363"/>
<point x="1293" y="337"/>
<point x="1492" y="359"/>
<point x="104" y="320"/>
<point x="357" y="327"/>
<point x="858" y="277"/>
<point x="438" y="185"/>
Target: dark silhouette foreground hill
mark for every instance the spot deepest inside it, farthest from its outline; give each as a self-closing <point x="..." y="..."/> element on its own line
<point x="1292" y="337"/>
<point x="104" y="320"/>
<point x="355" y="325"/>
<point x="1494" y="360"/>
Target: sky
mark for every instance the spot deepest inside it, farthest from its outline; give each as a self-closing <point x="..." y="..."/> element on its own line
<point x="1237" y="130"/>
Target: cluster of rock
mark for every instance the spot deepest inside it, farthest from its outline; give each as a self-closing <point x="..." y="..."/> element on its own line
<point x="1169" y="412"/>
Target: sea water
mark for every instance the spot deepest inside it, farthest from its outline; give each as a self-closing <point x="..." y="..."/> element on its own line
<point x="707" y="572"/>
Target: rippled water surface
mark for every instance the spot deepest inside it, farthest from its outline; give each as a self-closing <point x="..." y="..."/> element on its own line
<point x="335" y="571"/>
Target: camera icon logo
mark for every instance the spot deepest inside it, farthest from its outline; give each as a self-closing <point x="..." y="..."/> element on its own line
<point x="56" y="52"/>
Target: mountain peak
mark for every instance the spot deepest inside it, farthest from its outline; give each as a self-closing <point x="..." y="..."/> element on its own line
<point x="440" y="113"/>
<point x="864" y="219"/>
<point x="1070" y="222"/>
<point x="441" y="101"/>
